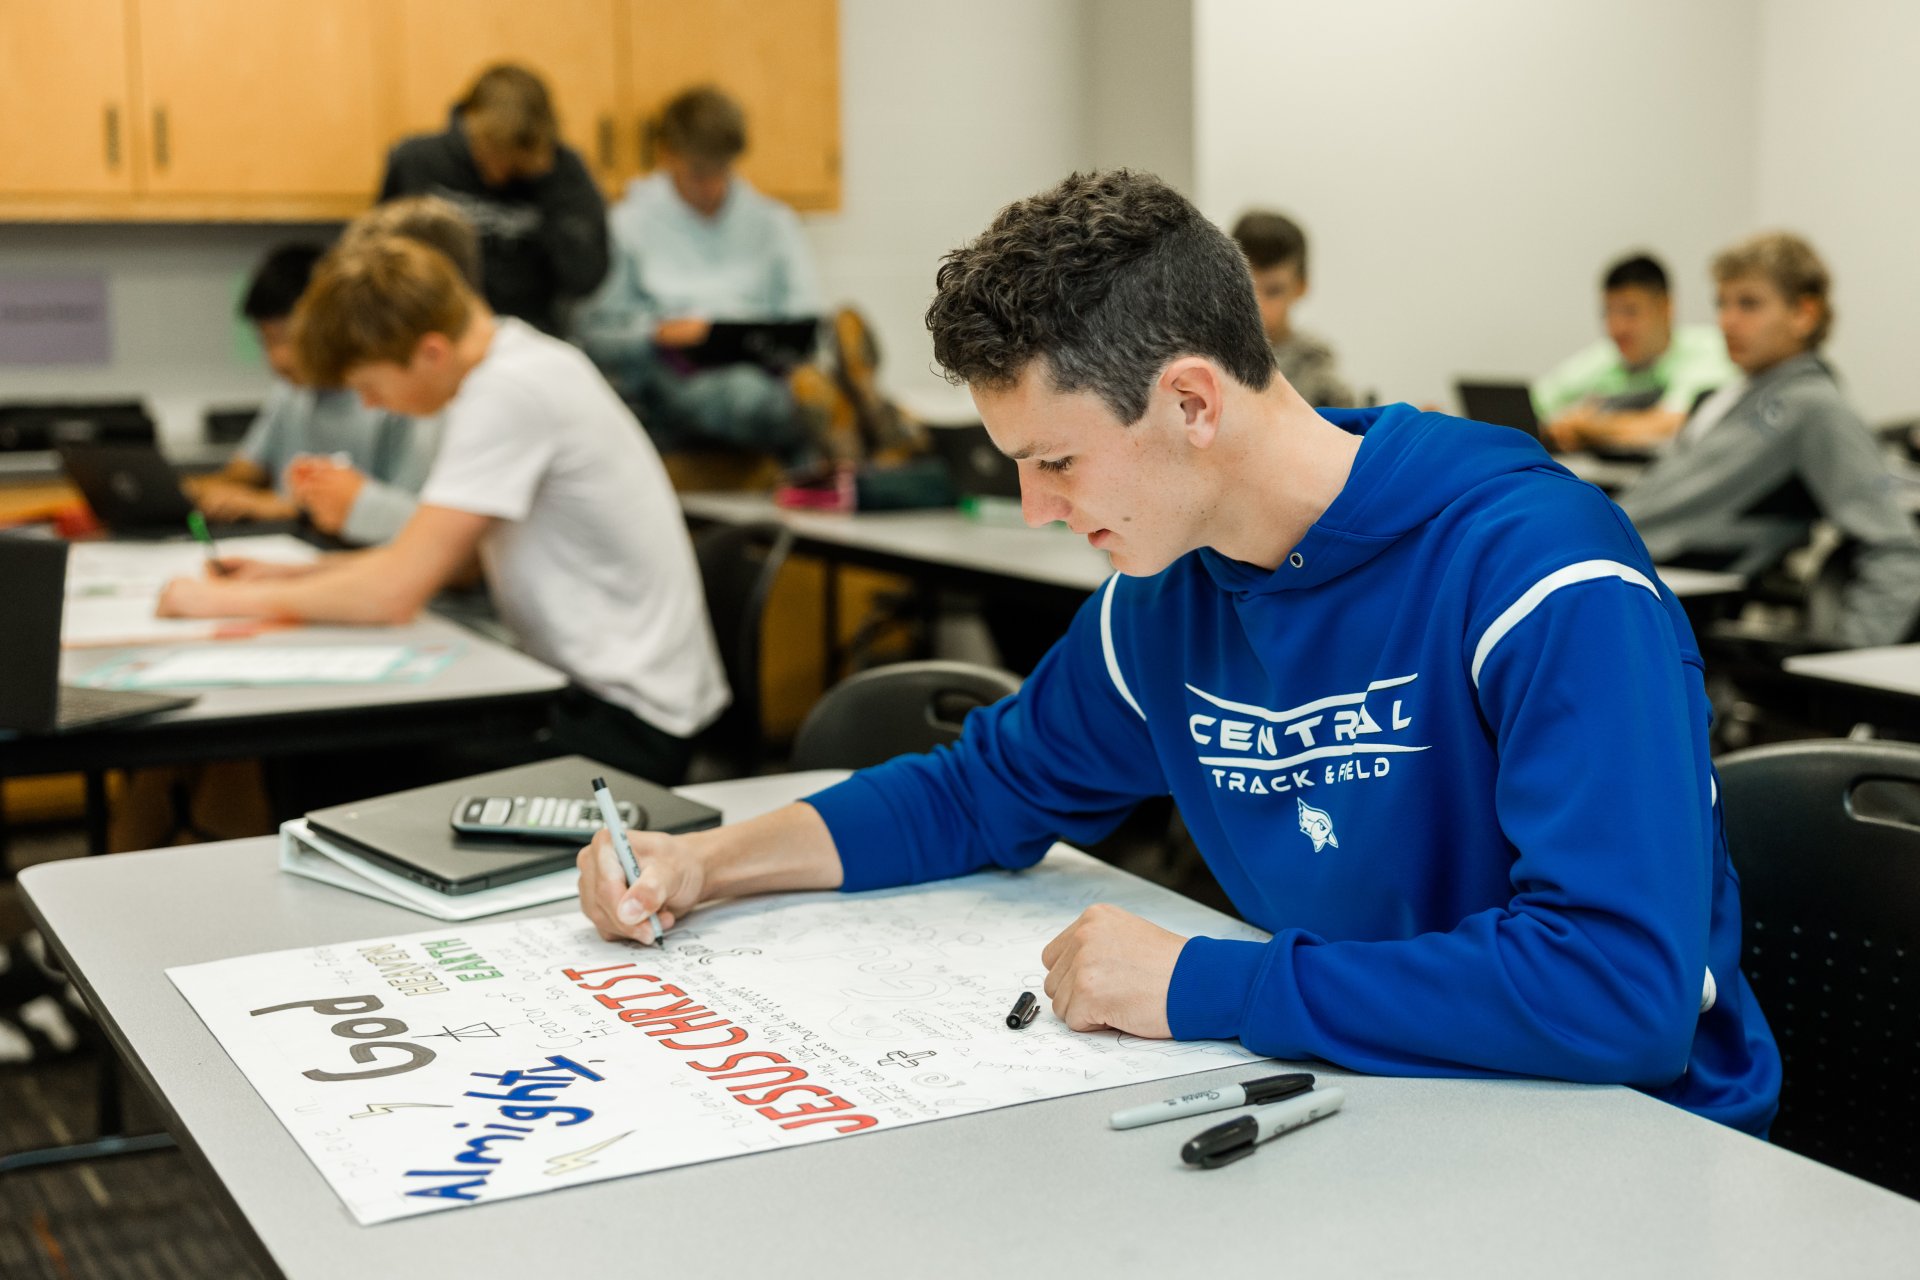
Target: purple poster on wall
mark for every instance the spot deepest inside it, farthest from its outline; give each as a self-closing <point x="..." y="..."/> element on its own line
<point x="54" y="320"/>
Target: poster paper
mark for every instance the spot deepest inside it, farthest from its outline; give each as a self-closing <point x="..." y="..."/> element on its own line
<point x="477" y="1062"/>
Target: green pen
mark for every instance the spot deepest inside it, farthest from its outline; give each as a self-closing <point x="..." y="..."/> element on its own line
<point x="197" y="523"/>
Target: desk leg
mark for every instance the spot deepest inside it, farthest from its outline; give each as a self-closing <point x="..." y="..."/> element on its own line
<point x="96" y="811"/>
<point x="830" y="656"/>
<point x="110" y="1118"/>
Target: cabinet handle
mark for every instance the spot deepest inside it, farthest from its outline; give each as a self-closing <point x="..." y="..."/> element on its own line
<point x="162" y="153"/>
<point x="606" y="142"/>
<point x="113" y="137"/>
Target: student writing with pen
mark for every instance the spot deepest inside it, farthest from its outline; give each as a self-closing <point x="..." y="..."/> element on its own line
<point x="542" y="474"/>
<point x="1430" y="716"/>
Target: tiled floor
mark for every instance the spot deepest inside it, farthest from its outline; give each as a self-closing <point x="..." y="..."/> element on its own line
<point x="147" y="1216"/>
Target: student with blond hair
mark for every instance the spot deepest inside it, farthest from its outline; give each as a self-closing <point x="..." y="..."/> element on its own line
<point x="1780" y="432"/>
<point x="366" y="503"/>
<point x="542" y="224"/>
<point x="542" y="473"/>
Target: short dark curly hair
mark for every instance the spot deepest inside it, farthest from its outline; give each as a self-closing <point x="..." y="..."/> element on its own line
<point x="1107" y="277"/>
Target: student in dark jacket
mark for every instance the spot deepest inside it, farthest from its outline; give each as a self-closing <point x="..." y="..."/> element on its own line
<point x="542" y="224"/>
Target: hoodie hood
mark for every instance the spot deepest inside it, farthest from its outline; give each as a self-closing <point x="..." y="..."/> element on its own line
<point x="1411" y="466"/>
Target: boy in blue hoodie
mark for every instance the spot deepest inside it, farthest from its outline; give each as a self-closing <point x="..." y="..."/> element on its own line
<point x="1429" y="714"/>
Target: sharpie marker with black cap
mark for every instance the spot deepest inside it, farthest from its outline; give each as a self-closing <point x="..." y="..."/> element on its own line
<point x="1248" y="1093"/>
<point x="1236" y="1139"/>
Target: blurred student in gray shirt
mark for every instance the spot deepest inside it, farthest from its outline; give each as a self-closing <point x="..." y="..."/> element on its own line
<point x="315" y="450"/>
<point x="1783" y="421"/>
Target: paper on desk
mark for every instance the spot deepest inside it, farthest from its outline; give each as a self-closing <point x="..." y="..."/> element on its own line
<point x="125" y="620"/>
<point x="116" y="568"/>
<point x="113" y="588"/>
<point x="200" y="668"/>
<point x="481" y="1062"/>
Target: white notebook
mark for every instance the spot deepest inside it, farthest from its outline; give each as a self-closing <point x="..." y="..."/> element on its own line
<point x="304" y="852"/>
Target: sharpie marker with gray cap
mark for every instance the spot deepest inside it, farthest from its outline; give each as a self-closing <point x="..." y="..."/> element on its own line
<point x="1248" y="1093"/>
<point x="1238" y="1138"/>
<point x="617" y="832"/>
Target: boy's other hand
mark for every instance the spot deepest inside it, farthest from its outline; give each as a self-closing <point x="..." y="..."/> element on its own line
<point x="672" y="882"/>
<point x="1571" y="430"/>
<point x="325" y="489"/>
<point x="194" y="598"/>
<point x="1110" y="968"/>
<point x="224" y="500"/>
<point x="688" y="331"/>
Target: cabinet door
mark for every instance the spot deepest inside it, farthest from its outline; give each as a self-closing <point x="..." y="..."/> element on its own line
<point x="779" y="58"/>
<point x="260" y="98"/>
<point x="63" y="98"/>
<point x="443" y="44"/>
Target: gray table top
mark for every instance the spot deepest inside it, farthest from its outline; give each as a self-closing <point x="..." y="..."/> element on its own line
<point x="480" y="668"/>
<point x="1893" y="668"/>
<point x="1415" y="1178"/>
<point x="1051" y="556"/>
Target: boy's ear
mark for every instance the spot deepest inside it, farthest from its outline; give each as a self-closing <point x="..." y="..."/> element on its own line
<point x="431" y="351"/>
<point x="1198" y="388"/>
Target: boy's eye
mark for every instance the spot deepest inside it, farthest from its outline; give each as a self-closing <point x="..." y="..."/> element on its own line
<point x="1054" y="465"/>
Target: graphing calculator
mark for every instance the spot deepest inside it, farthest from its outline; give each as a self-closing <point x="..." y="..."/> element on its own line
<point x="563" y="820"/>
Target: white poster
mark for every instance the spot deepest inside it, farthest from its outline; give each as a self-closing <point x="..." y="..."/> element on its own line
<point x="478" y="1062"/>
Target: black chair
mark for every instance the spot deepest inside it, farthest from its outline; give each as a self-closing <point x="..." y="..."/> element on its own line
<point x="1826" y="837"/>
<point x="738" y="564"/>
<point x="888" y="711"/>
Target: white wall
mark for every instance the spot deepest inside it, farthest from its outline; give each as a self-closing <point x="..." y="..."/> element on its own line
<point x="1839" y="162"/>
<point x="1139" y="100"/>
<point x="1466" y="170"/>
<point x="171" y="292"/>
<point x="947" y="113"/>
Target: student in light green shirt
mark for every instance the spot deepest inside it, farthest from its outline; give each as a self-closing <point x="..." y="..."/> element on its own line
<point x="1635" y="388"/>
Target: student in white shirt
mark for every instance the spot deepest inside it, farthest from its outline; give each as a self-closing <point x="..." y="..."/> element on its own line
<point x="542" y="473"/>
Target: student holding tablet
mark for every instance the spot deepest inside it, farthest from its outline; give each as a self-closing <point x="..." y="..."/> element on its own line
<point x="541" y="472"/>
<point x="1428" y="712"/>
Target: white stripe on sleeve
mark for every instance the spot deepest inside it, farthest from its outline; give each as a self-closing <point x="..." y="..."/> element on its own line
<point x="1585" y="571"/>
<point x="1106" y="643"/>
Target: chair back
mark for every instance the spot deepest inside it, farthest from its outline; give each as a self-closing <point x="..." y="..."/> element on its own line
<point x="1826" y="838"/>
<point x="889" y="711"/>
<point x="738" y="565"/>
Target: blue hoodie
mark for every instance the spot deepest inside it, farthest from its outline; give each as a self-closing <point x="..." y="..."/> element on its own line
<point x="1452" y="754"/>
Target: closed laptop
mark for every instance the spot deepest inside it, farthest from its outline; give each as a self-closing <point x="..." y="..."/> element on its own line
<point x="408" y="832"/>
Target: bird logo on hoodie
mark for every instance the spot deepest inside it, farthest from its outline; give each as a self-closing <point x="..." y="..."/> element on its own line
<point x="1317" y="826"/>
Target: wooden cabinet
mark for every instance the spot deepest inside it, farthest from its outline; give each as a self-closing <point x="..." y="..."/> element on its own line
<point x="779" y="58"/>
<point x="284" y="109"/>
<point x="64" y="108"/>
<point x="261" y="99"/>
<point x="441" y="45"/>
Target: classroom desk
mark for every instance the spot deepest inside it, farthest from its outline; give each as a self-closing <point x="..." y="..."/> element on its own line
<point x="955" y="549"/>
<point x="1880" y="685"/>
<point x="487" y="690"/>
<point x="943" y="544"/>
<point x="1481" y="1179"/>
<point x="1609" y="475"/>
